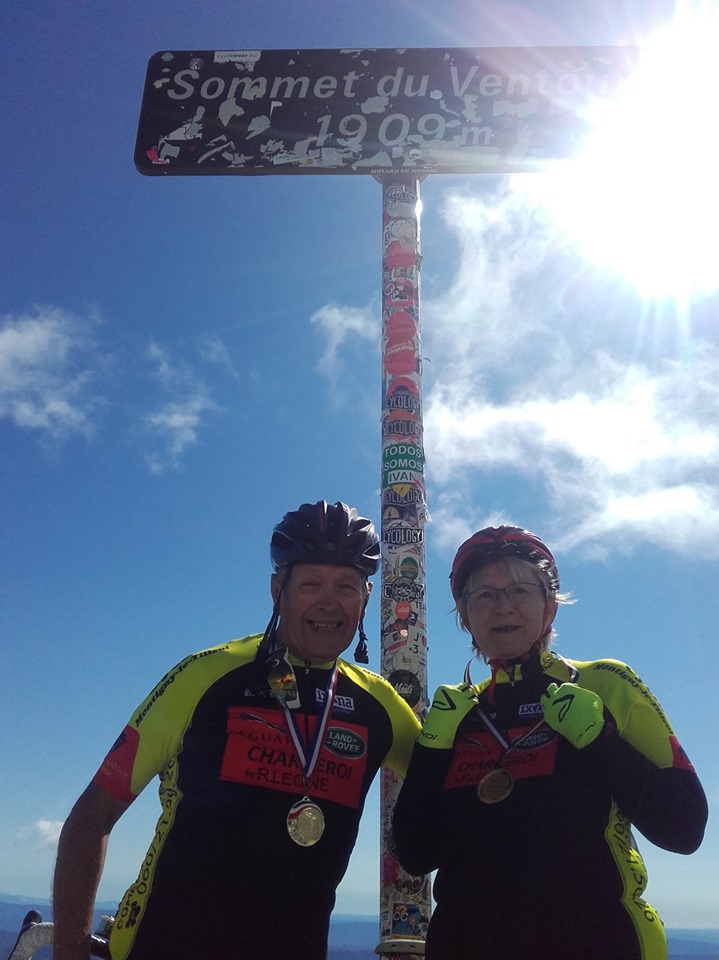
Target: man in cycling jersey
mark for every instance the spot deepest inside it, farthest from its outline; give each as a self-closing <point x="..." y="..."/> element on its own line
<point x="265" y="748"/>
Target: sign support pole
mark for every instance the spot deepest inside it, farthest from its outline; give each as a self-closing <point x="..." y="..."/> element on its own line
<point x="404" y="899"/>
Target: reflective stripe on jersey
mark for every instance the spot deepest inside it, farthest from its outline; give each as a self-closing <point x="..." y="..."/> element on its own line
<point x="648" y="925"/>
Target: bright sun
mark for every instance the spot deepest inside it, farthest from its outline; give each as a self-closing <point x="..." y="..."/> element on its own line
<point x="643" y="199"/>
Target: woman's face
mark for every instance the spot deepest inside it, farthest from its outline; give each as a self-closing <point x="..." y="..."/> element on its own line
<point x="507" y="623"/>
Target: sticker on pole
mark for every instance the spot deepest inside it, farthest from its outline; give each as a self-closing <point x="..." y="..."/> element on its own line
<point x="376" y="111"/>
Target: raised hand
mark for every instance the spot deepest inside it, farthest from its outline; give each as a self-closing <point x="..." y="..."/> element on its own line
<point x="575" y="712"/>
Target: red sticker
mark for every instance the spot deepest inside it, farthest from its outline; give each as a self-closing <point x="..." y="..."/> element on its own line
<point x="400" y="359"/>
<point x="400" y="327"/>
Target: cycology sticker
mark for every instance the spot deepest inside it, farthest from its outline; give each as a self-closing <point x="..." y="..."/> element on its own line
<point x="400" y="534"/>
<point x="406" y="502"/>
<point x="401" y="385"/>
<point x="398" y="425"/>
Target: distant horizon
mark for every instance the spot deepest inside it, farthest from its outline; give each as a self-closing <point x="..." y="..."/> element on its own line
<point x="23" y="899"/>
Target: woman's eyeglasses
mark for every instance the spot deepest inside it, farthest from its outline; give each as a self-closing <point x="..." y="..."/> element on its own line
<point x="515" y="594"/>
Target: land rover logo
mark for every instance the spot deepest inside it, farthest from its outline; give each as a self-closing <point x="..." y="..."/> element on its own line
<point x="536" y="739"/>
<point x="344" y="743"/>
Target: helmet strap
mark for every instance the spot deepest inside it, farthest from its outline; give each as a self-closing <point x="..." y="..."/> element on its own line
<point x="268" y="643"/>
<point x="361" y="654"/>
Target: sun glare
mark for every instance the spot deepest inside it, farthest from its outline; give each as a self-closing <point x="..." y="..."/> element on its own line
<point x="643" y="199"/>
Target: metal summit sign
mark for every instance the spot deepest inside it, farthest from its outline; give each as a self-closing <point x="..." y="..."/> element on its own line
<point x="373" y="111"/>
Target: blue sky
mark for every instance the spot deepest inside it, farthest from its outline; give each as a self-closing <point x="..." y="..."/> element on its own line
<point x="184" y="359"/>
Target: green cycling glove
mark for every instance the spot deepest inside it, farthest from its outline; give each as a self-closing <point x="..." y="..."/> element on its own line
<point x="450" y="705"/>
<point x="575" y="712"/>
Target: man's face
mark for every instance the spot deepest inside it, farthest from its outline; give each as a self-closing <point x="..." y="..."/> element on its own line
<point x="320" y="607"/>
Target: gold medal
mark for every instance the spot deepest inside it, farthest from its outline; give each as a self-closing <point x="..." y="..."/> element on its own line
<point x="495" y="786"/>
<point x="305" y="823"/>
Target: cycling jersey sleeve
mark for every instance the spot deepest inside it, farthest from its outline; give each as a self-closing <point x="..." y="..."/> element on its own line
<point x="416" y="820"/>
<point x="668" y="805"/>
<point x="405" y="727"/>
<point x="404" y="722"/>
<point x="649" y="774"/>
<point x="154" y="733"/>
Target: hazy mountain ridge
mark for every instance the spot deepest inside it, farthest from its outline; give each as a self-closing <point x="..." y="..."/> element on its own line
<point x="351" y="937"/>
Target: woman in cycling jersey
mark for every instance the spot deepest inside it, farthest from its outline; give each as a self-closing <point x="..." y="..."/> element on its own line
<point x="524" y="789"/>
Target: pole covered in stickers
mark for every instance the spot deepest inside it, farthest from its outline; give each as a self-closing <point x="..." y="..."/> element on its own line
<point x="404" y="900"/>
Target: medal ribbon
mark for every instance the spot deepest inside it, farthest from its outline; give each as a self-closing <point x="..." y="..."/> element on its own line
<point x="571" y="669"/>
<point x="500" y="739"/>
<point x="493" y="730"/>
<point x="308" y="754"/>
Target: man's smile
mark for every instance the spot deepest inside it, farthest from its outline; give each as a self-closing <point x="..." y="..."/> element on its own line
<point x="322" y="626"/>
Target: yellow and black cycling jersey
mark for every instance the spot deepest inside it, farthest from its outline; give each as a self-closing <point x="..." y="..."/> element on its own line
<point x="553" y="868"/>
<point x="222" y="876"/>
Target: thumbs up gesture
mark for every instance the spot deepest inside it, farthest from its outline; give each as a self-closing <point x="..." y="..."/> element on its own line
<point x="575" y="712"/>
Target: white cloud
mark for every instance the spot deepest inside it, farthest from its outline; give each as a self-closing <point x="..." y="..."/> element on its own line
<point x="50" y="367"/>
<point x="213" y="350"/>
<point x="684" y="517"/>
<point x="620" y="460"/>
<point x="47" y="371"/>
<point x="494" y="301"/>
<point x="168" y="372"/>
<point x="627" y="423"/>
<point x="42" y="833"/>
<point x="540" y="396"/>
<point x="174" y="424"/>
<point x="550" y="381"/>
<point x="450" y="524"/>
<point x="338" y="324"/>
<point x="175" y="427"/>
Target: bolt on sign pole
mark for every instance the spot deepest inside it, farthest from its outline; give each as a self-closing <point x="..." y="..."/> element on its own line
<point x="398" y="115"/>
<point x="404" y="899"/>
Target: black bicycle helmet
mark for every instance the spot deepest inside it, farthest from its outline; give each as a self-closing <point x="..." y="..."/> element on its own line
<point x="496" y="543"/>
<point x="325" y="533"/>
